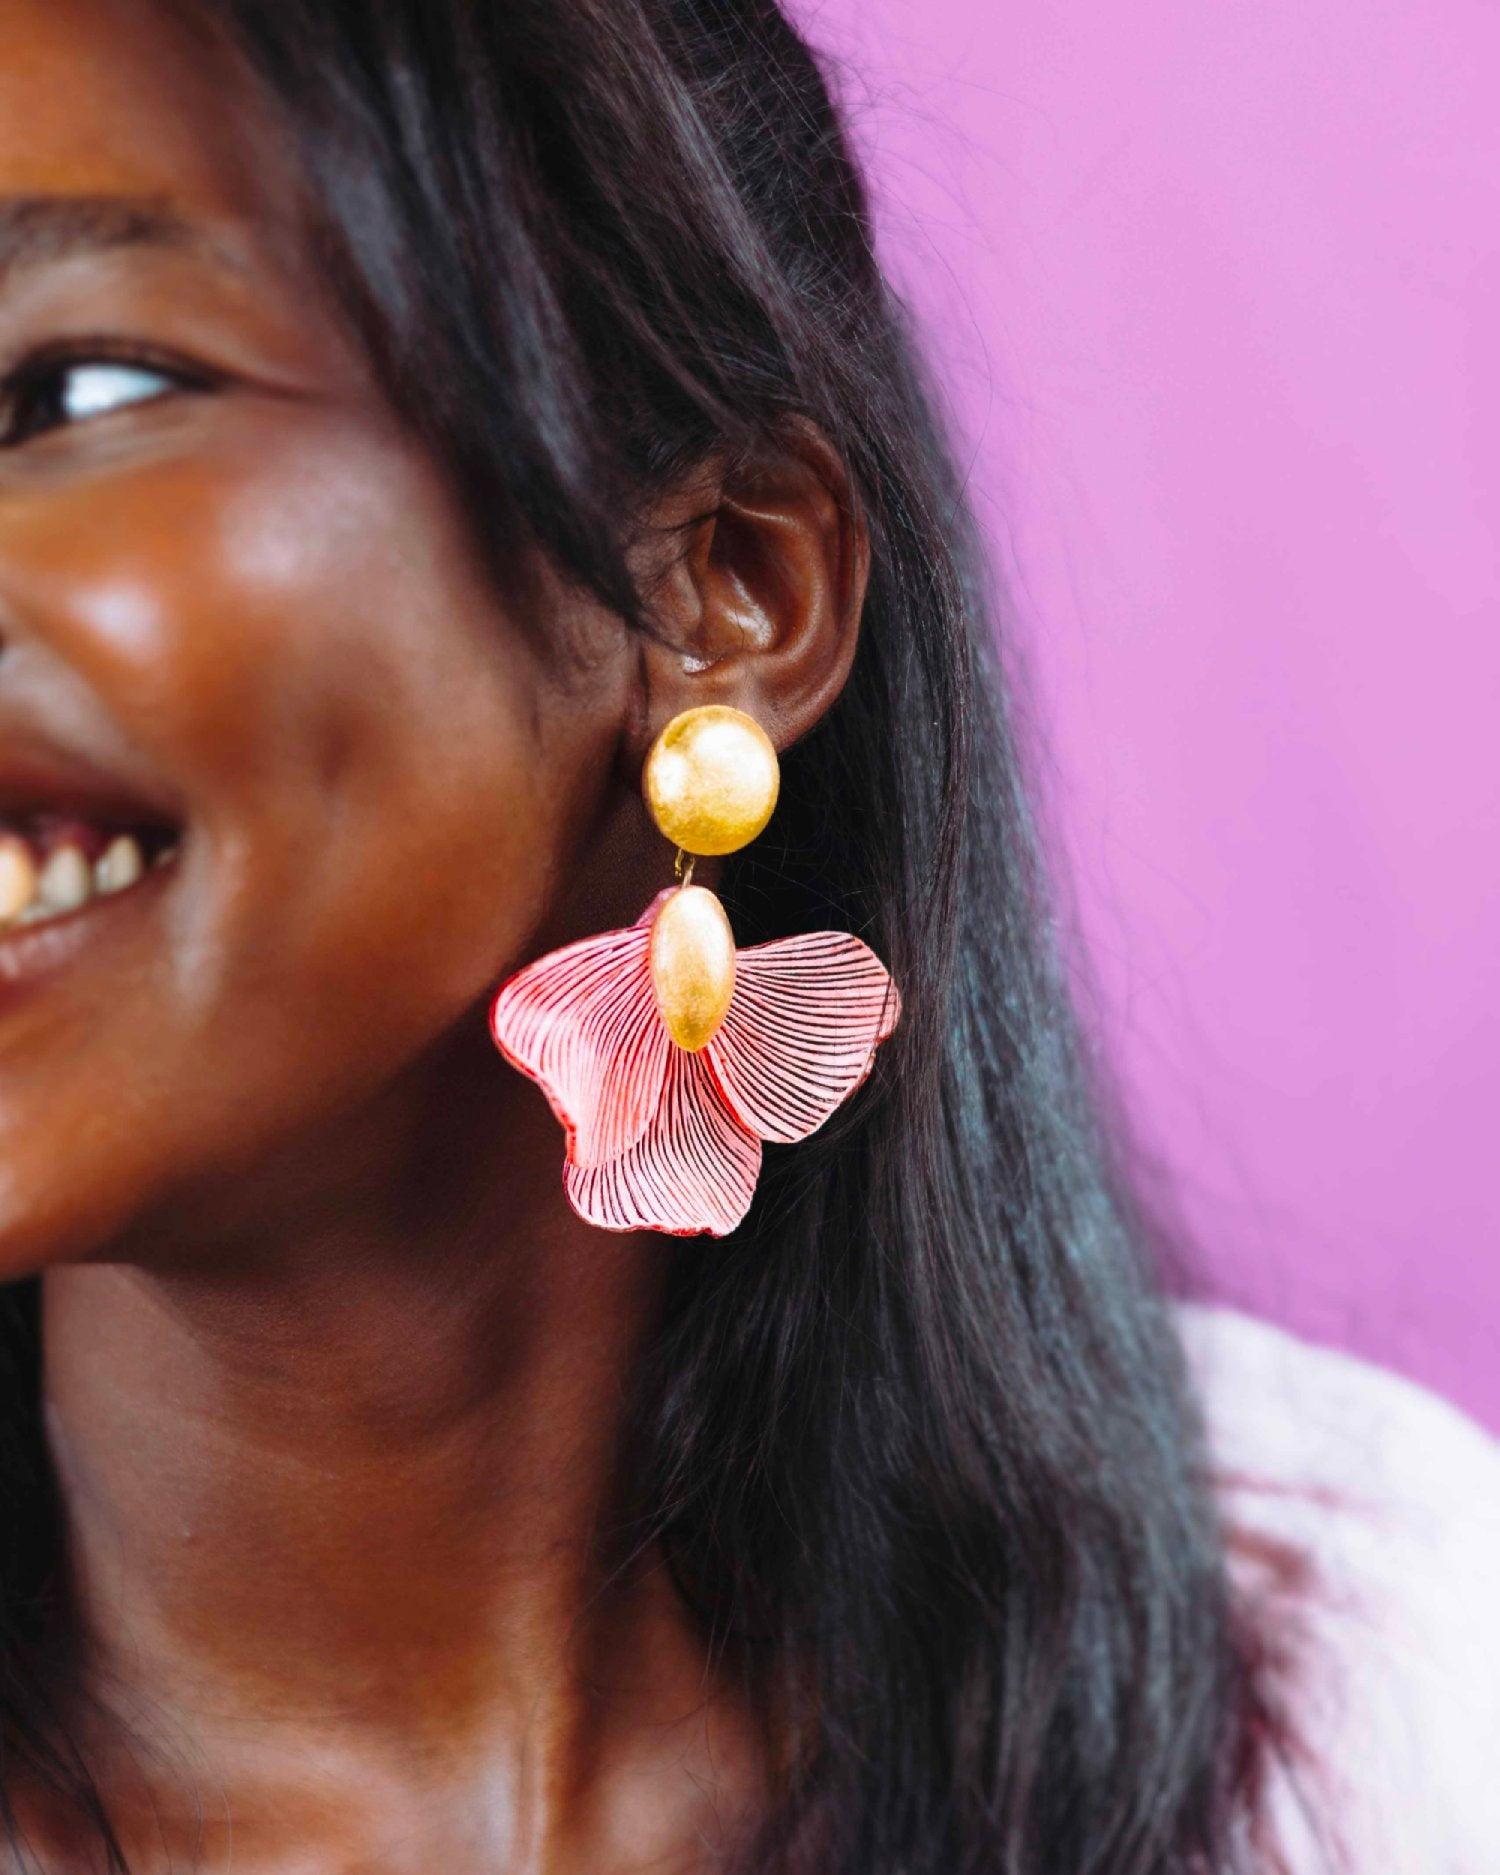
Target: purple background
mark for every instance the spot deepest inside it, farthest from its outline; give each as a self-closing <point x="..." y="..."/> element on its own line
<point x="1215" y="291"/>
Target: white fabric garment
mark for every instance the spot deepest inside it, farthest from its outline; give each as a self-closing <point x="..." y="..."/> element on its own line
<point x="1363" y="1515"/>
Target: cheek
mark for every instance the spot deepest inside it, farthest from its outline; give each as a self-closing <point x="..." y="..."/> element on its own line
<point x="293" y="628"/>
<point x="381" y="779"/>
<point x="269" y="613"/>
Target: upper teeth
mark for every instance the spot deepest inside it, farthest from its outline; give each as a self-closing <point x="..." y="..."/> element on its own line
<point x="66" y="882"/>
<point x="120" y="864"/>
<point x="65" y="879"/>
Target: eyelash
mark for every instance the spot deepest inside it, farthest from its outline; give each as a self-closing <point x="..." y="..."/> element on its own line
<point x="48" y="370"/>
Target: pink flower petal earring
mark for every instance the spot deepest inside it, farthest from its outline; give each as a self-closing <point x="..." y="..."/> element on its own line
<point x="669" y="1055"/>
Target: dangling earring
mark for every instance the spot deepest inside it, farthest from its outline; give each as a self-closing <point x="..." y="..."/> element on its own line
<point x="667" y="1054"/>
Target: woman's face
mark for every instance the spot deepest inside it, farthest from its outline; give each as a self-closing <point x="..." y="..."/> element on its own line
<point x="242" y="628"/>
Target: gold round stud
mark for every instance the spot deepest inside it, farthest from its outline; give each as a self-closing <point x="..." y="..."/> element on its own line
<point x="711" y="779"/>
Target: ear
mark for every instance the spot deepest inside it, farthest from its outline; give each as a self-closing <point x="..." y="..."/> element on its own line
<point x="757" y="592"/>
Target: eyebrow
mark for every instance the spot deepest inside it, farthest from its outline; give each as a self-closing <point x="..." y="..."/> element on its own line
<point x="38" y="228"/>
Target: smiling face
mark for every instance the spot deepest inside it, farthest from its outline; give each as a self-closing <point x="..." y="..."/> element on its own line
<point x="243" y="635"/>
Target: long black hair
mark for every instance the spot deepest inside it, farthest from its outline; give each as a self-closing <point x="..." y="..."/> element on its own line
<point x="916" y="1439"/>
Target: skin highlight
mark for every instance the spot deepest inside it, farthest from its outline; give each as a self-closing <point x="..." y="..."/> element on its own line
<point x="333" y="1377"/>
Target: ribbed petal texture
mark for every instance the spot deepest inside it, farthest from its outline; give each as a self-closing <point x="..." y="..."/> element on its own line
<point x="582" y="1023"/>
<point x="801" y="1033"/>
<point x="661" y="1139"/>
<point x="693" y="1170"/>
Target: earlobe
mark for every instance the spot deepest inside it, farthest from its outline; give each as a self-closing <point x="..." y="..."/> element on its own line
<point x="760" y="606"/>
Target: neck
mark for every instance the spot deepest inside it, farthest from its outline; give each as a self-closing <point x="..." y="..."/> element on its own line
<point x="356" y="1459"/>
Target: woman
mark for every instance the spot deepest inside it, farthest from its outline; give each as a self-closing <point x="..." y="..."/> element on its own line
<point x="409" y="408"/>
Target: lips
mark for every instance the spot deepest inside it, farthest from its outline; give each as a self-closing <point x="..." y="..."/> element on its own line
<point x="70" y="834"/>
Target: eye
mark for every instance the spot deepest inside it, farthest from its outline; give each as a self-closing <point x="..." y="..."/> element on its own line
<point x="46" y="396"/>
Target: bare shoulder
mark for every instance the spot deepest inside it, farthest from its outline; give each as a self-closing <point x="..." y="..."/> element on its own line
<point x="1362" y="1514"/>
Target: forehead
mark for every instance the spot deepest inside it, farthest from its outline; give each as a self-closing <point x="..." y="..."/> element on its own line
<point x="101" y="97"/>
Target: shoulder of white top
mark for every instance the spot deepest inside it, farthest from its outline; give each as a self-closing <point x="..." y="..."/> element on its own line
<point x="1363" y="1513"/>
<point x="1299" y="1413"/>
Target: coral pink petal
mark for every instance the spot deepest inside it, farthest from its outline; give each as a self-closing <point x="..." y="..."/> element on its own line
<point x="692" y="1171"/>
<point x="582" y="1022"/>
<point x="807" y="1016"/>
<point x="655" y="906"/>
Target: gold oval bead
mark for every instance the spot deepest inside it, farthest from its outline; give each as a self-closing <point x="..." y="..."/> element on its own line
<point x="692" y="965"/>
<point x="711" y="779"/>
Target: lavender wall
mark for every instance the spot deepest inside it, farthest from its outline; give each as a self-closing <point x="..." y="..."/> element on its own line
<point x="1216" y="293"/>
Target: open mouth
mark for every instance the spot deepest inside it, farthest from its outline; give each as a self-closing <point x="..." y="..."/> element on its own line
<point x="53" y="864"/>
